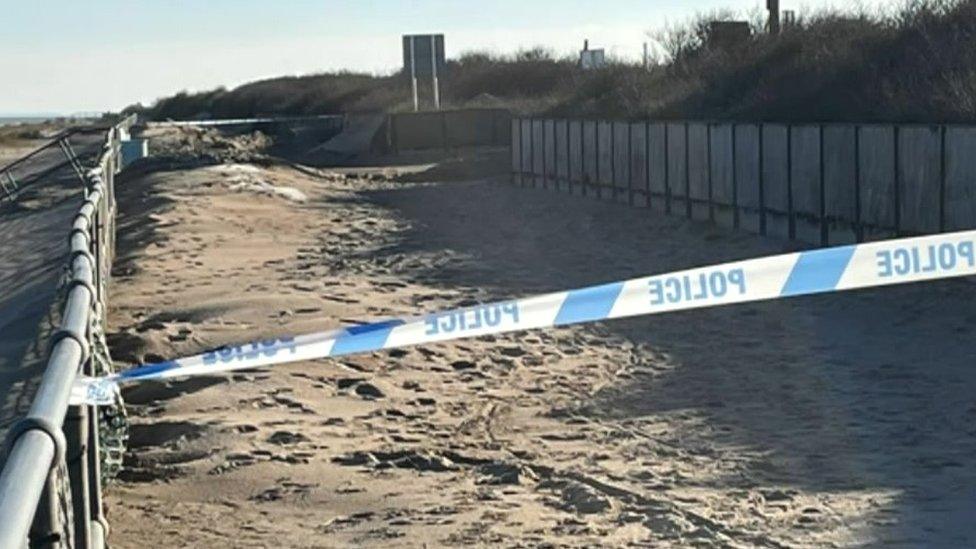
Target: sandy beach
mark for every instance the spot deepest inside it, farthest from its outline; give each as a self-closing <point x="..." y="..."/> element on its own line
<point x="830" y="421"/>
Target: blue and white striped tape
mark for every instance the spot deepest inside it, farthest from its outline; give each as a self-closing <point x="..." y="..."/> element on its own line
<point x="824" y="270"/>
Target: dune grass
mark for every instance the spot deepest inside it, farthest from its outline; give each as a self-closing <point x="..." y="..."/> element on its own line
<point x="915" y="63"/>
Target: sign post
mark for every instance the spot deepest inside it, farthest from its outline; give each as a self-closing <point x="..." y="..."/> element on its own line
<point x="423" y="56"/>
<point x="413" y="75"/>
<point x="433" y="67"/>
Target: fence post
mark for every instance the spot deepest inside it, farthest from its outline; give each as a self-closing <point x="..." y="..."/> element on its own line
<point x="630" y="164"/>
<point x="584" y="177"/>
<point x="858" y="227"/>
<point x="687" y="173"/>
<point x="47" y="520"/>
<point x="824" y="226"/>
<point x="555" y="158"/>
<point x="521" y="153"/>
<point x="736" y="217"/>
<point x="613" y="161"/>
<point x="569" y="162"/>
<point x="596" y="143"/>
<point x="532" y="151"/>
<point x="76" y="436"/>
<point x="98" y="524"/>
<point x="647" y="163"/>
<point x="942" y="179"/>
<point x="667" y="170"/>
<point x="708" y="166"/>
<point x="542" y="154"/>
<point x="791" y="219"/>
<point x="897" y="174"/>
<point x="762" y="181"/>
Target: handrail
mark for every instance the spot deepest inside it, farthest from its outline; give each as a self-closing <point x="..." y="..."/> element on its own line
<point x="36" y="446"/>
<point x="52" y="143"/>
<point x="245" y="121"/>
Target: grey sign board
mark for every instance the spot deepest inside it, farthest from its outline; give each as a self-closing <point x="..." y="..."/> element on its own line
<point x="422" y="53"/>
<point x="592" y="59"/>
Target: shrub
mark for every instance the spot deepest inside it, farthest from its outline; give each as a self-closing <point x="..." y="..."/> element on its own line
<point x="913" y="63"/>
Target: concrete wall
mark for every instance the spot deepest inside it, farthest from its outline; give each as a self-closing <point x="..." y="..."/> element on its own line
<point x="449" y="129"/>
<point x="821" y="184"/>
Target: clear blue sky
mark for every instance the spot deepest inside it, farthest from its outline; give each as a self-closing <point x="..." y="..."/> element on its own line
<point x="86" y="55"/>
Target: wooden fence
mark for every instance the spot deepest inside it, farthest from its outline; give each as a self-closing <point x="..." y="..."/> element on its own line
<point x="817" y="183"/>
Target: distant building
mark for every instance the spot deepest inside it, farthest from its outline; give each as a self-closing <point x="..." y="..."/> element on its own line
<point x="727" y="34"/>
<point x="591" y="59"/>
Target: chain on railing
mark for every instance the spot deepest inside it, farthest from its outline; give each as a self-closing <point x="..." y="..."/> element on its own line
<point x="57" y="456"/>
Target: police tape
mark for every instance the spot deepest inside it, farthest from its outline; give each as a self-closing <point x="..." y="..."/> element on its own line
<point x="817" y="271"/>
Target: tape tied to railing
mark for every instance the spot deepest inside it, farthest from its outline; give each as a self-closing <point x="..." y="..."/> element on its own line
<point x="834" y="269"/>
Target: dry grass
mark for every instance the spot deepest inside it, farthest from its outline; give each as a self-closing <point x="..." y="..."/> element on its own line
<point x="916" y="63"/>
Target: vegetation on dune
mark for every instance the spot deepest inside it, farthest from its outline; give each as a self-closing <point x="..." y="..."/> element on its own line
<point x="915" y="63"/>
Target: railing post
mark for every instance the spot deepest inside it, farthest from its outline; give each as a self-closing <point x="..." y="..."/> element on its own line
<point x="48" y="530"/>
<point x="77" y="435"/>
<point x="50" y="493"/>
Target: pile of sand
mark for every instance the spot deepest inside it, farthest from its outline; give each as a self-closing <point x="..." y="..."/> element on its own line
<point x="247" y="178"/>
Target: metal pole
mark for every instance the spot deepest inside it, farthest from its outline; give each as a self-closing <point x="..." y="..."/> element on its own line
<point x="433" y="64"/>
<point x="413" y="74"/>
<point x="77" y="435"/>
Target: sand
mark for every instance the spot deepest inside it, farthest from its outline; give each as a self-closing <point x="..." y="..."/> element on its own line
<point x="840" y="420"/>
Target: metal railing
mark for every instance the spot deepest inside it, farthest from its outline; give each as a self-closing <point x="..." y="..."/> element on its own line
<point x="50" y="485"/>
